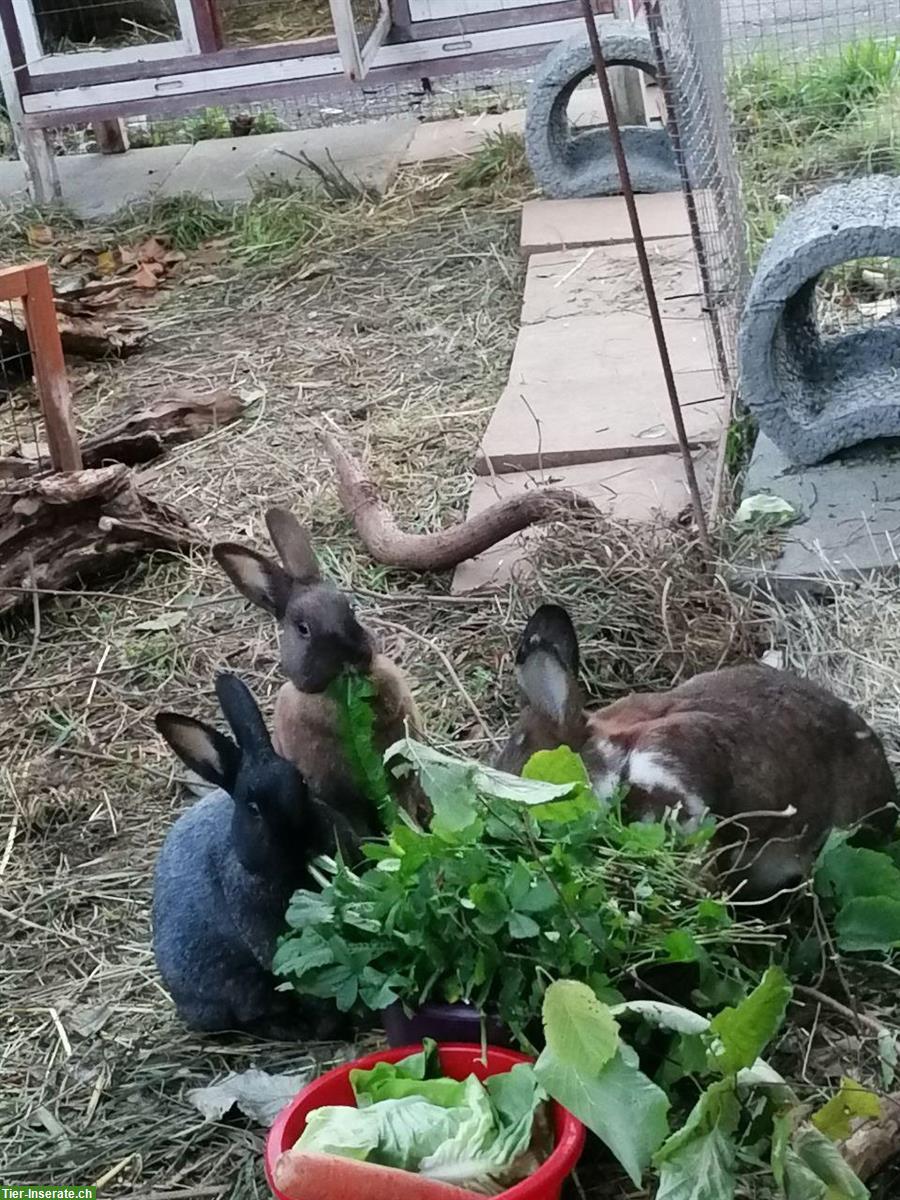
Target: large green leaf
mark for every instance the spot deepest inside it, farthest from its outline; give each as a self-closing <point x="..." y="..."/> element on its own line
<point x="703" y="1169"/>
<point x="562" y="766"/>
<point x="666" y="1016"/>
<point x="624" y="1108"/>
<point x="745" y="1031"/>
<point x="869" y="923"/>
<point x="717" y="1108"/>
<point x="451" y="790"/>
<point x="834" y="1119"/>
<point x="851" y="871"/>
<point x="488" y="781"/>
<point x="580" y="1030"/>
<point x="814" y="1169"/>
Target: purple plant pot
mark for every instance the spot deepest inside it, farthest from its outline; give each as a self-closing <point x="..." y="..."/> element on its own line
<point x="444" y="1023"/>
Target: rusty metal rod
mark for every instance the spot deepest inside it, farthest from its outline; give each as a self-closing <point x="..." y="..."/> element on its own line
<point x="654" y="23"/>
<point x="647" y="277"/>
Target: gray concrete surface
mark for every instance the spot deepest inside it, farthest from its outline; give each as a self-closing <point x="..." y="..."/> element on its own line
<point x="849" y="515"/>
<point x="95" y="185"/>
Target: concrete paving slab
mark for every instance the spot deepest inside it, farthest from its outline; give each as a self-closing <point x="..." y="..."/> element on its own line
<point x="13" y="188"/>
<point x="563" y="423"/>
<point x="849" y="515"/>
<point x="605" y="281"/>
<point x="435" y="140"/>
<point x="585" y="382"/>
<point x="229" y="169"/>
<point x="99" y="185"/>
<point x="634" y="489"/>
<point x="598" y="221"/>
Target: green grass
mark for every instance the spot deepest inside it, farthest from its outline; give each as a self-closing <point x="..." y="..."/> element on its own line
<point x="801" y="124"/>
<point x="499" y="164"/>
<point x="201" y="126"/>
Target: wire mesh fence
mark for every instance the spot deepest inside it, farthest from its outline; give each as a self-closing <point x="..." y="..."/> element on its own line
<point x="771" y="100"/>
<point x="69" y="26"/>
<point x="21" y="433"/>
<point x="37" y="428"/>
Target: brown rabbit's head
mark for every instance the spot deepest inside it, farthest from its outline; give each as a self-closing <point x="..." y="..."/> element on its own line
<point x="320" y="635"/>
<point x="547" y="664"/>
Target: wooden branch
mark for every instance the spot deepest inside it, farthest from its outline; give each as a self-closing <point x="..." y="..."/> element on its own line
<point x="58" y="529"/>
<point x="143" y="435"/>
<point x="446" y="549"/>
<point x="872" y="1146"/>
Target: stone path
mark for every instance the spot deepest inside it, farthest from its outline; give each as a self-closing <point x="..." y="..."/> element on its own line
<point x="586" y="404"/>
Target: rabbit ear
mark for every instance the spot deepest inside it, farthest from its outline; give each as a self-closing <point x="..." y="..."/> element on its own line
<point x="547" y="662"/>
<point x="550" y="628"/>
<point x="293" y="544"/>
<point x="255" y="576"/>
<point x="242" y="713"/>
<point x="203" y="749"/>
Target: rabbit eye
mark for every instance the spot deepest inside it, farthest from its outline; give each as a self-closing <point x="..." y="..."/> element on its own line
<point x="303" y="629"/>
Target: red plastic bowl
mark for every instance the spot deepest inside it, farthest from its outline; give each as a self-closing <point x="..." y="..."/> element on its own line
<point x="457" y="1062"/>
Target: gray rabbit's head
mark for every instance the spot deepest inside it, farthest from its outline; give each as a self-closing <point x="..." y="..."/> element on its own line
<point x="320" y="634"/>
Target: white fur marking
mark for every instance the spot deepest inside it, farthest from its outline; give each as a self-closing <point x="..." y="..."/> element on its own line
<point x="254" y="576"/>
<point x="606" y="782"/>
<point x="862" y="734"/>
<point x="650" y="770"/>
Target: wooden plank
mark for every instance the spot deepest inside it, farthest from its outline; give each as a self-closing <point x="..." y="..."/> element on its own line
<point x="49" y="367"/>
<point x="432" y="10"/>
<point x="13" y="283"/>
<point x="412" y="54"/>
<point x="111" y="136"/>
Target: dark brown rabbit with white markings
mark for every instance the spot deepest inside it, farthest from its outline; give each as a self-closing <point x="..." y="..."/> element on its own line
<point x="321" y="638"/>
<point x="737" y="742"/>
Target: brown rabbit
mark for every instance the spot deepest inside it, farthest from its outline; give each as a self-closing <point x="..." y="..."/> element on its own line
<point x="320" y="638"/>
<point x="735" y="742"/>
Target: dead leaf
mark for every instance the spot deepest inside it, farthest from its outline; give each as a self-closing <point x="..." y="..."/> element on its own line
<point x="257" y="1094"/>
<point x="210" y="254"/>
<point x="88" y="1019"/>
<point x="39" y="235"/>
<point x="106" y="262"/>
<point x="153" y="250"/>
<point x="166" y="620"/>
<point x="145" y="276"/>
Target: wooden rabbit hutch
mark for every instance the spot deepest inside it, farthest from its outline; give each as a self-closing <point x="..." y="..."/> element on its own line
<point x="79" y="62"/>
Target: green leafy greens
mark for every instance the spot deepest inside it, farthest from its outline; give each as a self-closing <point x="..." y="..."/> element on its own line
<point x="409" y="1117"/>
<point x="354" y="697"/>
<point x="516" y="882"/>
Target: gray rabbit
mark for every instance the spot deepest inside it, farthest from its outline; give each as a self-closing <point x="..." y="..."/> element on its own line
<point x="227" y="870"/>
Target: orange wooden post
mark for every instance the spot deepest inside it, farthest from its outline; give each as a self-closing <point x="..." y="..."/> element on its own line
<point x="50" y="369"/>
<point x="12" y="283"/>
